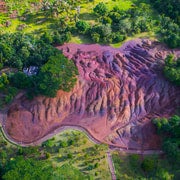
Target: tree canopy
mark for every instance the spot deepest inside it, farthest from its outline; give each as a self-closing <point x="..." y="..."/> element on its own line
<point x="169" y="129"/>
<point x="57" y="73"/>
<point x="172" y="69"/>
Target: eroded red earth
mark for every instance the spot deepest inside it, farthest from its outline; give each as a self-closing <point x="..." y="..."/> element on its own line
<point x="117" y="94"/>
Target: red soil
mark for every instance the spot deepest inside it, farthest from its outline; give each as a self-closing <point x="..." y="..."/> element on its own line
<point x="117" y="94"/>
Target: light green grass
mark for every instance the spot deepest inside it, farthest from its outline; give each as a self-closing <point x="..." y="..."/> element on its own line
<point x="80" y="40"/>
<point x="150" y="35"/>
<point x="82" y="152"/>
<point x="86" y="14"/>
<point x="121" y="4"/>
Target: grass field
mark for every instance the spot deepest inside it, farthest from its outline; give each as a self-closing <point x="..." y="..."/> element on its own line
<point x="37" y="22"/>
<point x="69" y="147"/>
<point x="82" y="153"/>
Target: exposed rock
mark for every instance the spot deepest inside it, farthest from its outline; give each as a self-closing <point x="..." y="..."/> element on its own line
<point x="117" y="94"/>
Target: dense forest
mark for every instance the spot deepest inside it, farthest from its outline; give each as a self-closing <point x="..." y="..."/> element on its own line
<point x="19" y="51"/>
<point x="169" y="129"/>
<point x="169" y="8"/>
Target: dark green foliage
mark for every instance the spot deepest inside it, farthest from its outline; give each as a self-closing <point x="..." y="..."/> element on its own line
<point x="106" y="20"/>
<point x="69" y="156"/>
<point x="8" y="91"/>
<point x="63" y="144"/>
<point x="35" y="162"/>
<point x="96" y="165"/>
<point x="71" y="142"/>
<point x="122" y="23"/>
<point x="170" y="131"/>
<point x="47" y="37"/>
<point x="3" y="81"/>
<point x="95" y="37"/>
<point x="19" y="51"/>
<point x="21" y="168"/>
<point x="49" y="143"/>
<point x="82" y="26"/>
<point x="163" y="174"/>
<point x="60" y="38"/>
<point x="170" y="32"/>
<point x="48" y="155"/>
<point x="148" y="164"/>
<point x="57" y="73"/>
<point x="101" y="33"/>
<point x="169" y="8"/>
<point x="172" y="69"/>
<point x="20" y="80"/>
<point x="172" y="150"/>
<point x="117" y="37"/>
<point x="130" y="167"/>
<point x="100" y="9"/>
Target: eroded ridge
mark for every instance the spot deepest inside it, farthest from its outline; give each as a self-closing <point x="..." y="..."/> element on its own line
<point x="117" y="94"/>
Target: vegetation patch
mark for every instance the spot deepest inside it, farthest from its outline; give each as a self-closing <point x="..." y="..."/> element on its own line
<point x="130" y="167"/>
<point x="68" y="155"/>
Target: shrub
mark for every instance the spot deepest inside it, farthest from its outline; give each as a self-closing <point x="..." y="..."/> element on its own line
<point x="82" y="26"/>
<point x="100" y="9"/>
<point x="148" y="164"/>
<point x="95" y="37"/>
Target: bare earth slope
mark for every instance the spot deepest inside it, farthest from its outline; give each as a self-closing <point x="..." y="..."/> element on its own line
<point x="117" y="94"/>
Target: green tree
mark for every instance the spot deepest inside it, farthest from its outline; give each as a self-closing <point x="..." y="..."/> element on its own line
<point x="82" y="26"/>
<point x="57" y="73"/>
<point x="148" y="164"/>
<point x="172" y="69"/>
<point x="170" y="132"/>
<point x="21" y="80"/>
<point x="21" y="168"/>
<point x="100" y="9"/>
<point x="163" y="174"/>
<point x="47" y="38"/>
<point x="4" y="81"/>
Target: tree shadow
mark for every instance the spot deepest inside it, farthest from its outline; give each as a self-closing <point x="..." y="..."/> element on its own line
<point x="37" y="19"/>
<point x="87" y="16"/>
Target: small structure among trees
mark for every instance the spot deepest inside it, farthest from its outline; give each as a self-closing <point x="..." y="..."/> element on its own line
<point x="32" y="70"/>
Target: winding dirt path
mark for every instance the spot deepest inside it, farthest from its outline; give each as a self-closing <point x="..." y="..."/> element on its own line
<point x="79" y="128"/>
<point x="90" y="137"/>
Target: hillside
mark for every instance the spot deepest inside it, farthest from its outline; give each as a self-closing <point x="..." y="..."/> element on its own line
<point x="117" y="94"/>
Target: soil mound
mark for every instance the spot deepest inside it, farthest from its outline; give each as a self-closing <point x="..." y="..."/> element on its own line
<point x="117" y="94"/>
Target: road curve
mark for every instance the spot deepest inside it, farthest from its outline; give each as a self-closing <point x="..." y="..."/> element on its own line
<point x="75" y="127"/>
<point x="79" y="128"/>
